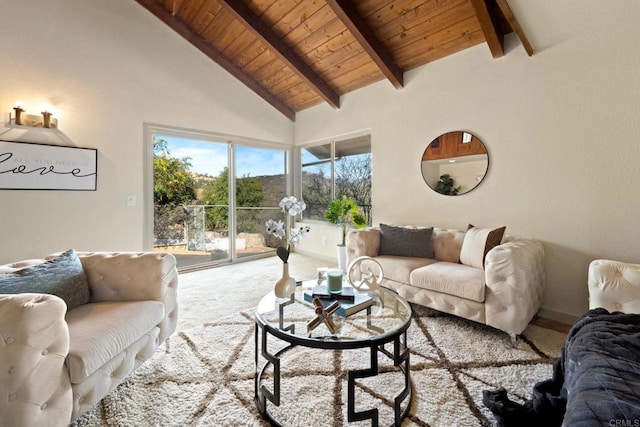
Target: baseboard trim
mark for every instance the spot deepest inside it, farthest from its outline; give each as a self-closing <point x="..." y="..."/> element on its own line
<point x="557" y="316"/>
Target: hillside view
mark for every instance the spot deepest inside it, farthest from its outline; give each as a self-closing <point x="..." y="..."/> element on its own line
<point x="191" y="209"/>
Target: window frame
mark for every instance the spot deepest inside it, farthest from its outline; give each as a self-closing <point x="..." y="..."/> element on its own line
<point x="343" y="138"/>
<point x="150" y="130"/>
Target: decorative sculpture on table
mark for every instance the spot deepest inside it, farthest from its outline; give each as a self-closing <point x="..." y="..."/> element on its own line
<point x="323" y="315"/>
<point x="365" y="274"/>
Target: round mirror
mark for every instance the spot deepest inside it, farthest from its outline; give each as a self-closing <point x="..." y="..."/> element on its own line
<point x="455" y="163"/>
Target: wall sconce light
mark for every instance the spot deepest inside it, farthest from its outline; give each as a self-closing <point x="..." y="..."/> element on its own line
<point x="19" y="112"/>
<point x="21" y="118"/>
<point x="46" y="119"/>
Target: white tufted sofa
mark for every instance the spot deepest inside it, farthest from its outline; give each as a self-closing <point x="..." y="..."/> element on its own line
<point x="54" y="364"/>
<point x="614" y="285"/>
<point x="506" y="295"/>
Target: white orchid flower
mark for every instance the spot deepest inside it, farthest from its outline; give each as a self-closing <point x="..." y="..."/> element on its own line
<point x="290" y="206"/>
<point x="297" y="234"/>
<point x="276" y="228"/>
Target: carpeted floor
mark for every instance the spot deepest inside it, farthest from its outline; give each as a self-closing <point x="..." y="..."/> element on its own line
<point x="207" y="295"/>
<point x="207" y="377"/>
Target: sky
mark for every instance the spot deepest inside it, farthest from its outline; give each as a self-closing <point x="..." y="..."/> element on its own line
<point x="211" y="157"/>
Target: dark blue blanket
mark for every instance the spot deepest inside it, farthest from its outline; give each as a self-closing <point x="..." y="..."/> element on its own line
<point x="596" y="382"/>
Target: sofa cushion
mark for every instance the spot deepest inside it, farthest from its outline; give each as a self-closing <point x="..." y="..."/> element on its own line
<point x="447" y="244"/>
<point x="61" y="276"/>
<point x="406" y="241"/>
<point x="100" y="331"/>
<point x="477" y="242"/>
<point x="451" y="278"/>
<point x="399" y="268"/>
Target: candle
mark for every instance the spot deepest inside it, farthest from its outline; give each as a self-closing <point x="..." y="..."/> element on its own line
<point x="334" y="281"/>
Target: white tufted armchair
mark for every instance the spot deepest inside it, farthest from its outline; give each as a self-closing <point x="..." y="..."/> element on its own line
<point x="56" y="364"/>
<point x="614" y="285"/>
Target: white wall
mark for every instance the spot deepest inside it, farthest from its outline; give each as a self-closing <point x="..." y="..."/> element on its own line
<point x="108" y="67"/>
<point x="561" y="129"/>
<point x="321" y="241"/>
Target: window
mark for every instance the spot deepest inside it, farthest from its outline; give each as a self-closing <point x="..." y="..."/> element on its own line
<point x="335" y="169"/>
<point x="212" y="196"/>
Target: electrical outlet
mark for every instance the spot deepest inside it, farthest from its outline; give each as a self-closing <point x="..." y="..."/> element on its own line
<point x="324" y="241"/>
<point x="131" y="200"/>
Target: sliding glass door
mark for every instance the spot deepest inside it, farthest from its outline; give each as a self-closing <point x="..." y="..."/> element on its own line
<point x="261" y="182"/>
<point x="212" y="197"/>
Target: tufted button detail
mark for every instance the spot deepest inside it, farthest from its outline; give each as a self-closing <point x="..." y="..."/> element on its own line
<point x="618" y="273"/>
<point x="618" y="305"/>
<point x="10" y="340"/>
<point x="12" y="397"/>
<point x="43" y="406"/>
<point x="45" y="352"/>
<point x="11" y="369"/>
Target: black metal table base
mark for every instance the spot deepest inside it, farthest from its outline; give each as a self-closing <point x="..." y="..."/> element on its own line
<point x="400" y="356"/>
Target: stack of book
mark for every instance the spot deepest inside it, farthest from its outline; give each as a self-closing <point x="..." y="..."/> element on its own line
<point x="350" y="301"/>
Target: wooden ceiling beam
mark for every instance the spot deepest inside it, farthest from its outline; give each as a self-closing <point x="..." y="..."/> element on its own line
<point x="361" y="31"/>
<point x="515" y="25"/>
<point x="490" y="26"/>
<point x="205" y="47"/>
<point x="263" y="32"/>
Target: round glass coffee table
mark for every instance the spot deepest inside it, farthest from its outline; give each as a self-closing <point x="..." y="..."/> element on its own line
<point x="376" y="327"/>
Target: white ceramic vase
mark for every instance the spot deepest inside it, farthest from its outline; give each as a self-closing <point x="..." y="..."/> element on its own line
<point x="286" y="285"/>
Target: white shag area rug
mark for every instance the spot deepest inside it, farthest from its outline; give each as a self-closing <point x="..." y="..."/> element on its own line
<point x="207" y="378"/>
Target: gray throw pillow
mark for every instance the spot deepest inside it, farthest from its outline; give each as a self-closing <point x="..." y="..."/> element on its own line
<point x="404" y="241"/>
<point x="61" y="276"/>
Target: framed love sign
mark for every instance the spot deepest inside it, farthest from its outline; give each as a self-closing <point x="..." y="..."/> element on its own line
<point x="28" y="166"/>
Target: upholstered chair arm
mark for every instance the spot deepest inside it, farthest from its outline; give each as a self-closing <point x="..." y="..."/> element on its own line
<point x="35" y="389"/>
<point x="134" y="276"/>
<point x="614" y="285"/>
<point x="363" y="242"/>
<point x="515" y="278"/>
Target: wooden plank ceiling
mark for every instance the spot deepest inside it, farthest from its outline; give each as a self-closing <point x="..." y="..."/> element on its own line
<point x="299" y="53"/>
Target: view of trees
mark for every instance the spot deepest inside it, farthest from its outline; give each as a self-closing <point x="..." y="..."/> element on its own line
<point x="317" y="193"/>
<point x="249" y="193"/>
<point x="176" y="188"/>
<point x="173" y="188"/>
<point x="353" y="179"/>
<point x="173" y="183"/>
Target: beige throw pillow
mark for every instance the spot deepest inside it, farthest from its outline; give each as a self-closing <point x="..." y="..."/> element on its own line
<point x="477" y="243"/>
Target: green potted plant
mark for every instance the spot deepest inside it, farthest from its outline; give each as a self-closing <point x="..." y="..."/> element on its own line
<point x="446" y="185"/>
<point x="343" y="212"/>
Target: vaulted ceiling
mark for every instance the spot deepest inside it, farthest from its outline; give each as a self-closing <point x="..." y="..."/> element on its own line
<point x="299" y="53"/>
